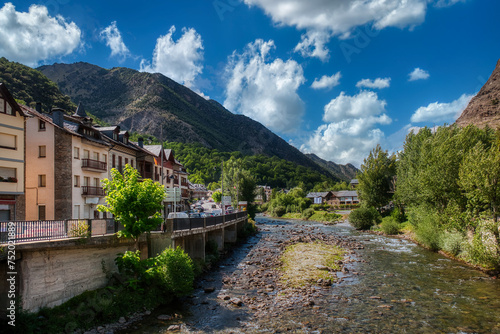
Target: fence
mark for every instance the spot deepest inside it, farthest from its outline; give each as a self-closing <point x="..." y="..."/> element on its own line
<point x="29" y="231"/>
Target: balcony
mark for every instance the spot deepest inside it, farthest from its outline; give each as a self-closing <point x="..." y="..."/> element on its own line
<point x="93" y="191"/>
<point x="94" y="165"/>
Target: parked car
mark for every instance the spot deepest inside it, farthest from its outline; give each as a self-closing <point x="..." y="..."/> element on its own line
<point x="177" y="215"/>
<point x="195" y="215"/>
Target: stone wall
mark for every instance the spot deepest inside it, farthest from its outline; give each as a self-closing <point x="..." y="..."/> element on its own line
<point x="63" y="178"/>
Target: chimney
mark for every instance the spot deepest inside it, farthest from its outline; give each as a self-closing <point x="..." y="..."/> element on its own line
<point x="39" y="107"/>
<point x="141" y="142"/>
<point x="58" y="117"/>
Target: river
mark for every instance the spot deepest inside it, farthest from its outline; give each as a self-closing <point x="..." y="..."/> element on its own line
<point x="389" y="285"/>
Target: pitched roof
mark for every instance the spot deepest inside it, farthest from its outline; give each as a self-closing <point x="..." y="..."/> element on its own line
<point x="354" y="181"/>
<point x="7" y="96"/>
<point x="80" y="111"/>
<point x="317" y="194"/>
<point x="346" y="193"/>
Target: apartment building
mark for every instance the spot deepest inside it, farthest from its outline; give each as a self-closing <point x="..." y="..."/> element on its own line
<point x="12" y="143"/>
<point x="66" y="159"/>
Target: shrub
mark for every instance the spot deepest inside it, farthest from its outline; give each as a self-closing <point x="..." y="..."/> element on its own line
<point x="452" y="242"/>
<point x="307" y="213"/>
<point x="279" y="211"/>
<point x="390" y="225"/>
<point x="483" y="249"/>
<point x="364" y="218"/>
<point x="398" y="215"/>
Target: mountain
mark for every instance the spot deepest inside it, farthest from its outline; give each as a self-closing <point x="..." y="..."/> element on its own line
<point x="344" y="172"/>
<point x="484" y="108"/>
<point x="154" y="104"/>
<point x="30" y="86"/>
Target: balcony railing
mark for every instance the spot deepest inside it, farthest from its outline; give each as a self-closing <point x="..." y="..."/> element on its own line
<point x="93" y="191"/>
<point x="94" y="165"/>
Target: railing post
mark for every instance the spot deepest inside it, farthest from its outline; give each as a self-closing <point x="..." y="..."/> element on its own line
<point x="115" y="223"/>
<point x="66" y="227"/>
<point x="89" y="223"/>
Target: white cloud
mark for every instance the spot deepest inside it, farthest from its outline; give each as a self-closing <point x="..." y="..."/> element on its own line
<point x="179" y="60"/>
<point x="114" y="40"/>
<point x="418" y="74"/>
<point x="378" y="83"/>
<point x="34" y="36"/>
<point x="447" y="3"/>
<point x="263" y="90"/>
<point x="322" y="19"/>
<point x="351" y="131"/>
<point x="327" y="82"/>
<point x="442" y="112"/>
<point x="313" y="44"/>
<point x="363" y="105"/>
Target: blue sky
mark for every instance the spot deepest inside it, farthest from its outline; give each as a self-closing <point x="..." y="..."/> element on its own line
<point x="332" y="77"/>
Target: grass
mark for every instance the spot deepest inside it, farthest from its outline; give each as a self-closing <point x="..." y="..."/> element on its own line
<point x="300" y="263"/>
<point x="292" y="216"/>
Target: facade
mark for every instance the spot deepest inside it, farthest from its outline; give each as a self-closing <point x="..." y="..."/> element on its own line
<point x="325" y="197"/>
<point x="345" y="197"/>
<point x="12" y="157"/>
<point x="66" y="160"/>
<point x="198" y="191"/>
<point x="267" y="191"/>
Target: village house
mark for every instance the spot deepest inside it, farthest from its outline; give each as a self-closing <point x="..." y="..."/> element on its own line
<point x="12" y="158"/>
<point x="325" y="197"/>
<point x="198" y="190"/>
<point x="345" y="197"/>
<point x="66" y="159"/>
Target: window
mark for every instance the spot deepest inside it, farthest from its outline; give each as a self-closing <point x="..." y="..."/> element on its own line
<point x="76" y="153"/>
<point x="120" y="163"/>
<point x="8" y="141"/>
<point x="132" y="162"/>
<point x="41" y="212"/>
<point x="97" y="183"/>
<point x="7" y="173"/>
<point x="126" y="161"/>
<point x="104" y="158"/>
<point x="41" y="125"/>
<point x="5" y="108"/>
<point x="42" y="181"/>
<point x="42" y="151"/>
<point x="114" y="161"/>
<point x="76" y="212"/>
<point x="86" y="181"/>
<point x="96" y="156"/>
<point x="86" y="154"/>
<point x="77" y="181"/>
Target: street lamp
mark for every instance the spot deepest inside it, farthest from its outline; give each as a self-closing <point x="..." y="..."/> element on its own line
<point x="175" y="194"/>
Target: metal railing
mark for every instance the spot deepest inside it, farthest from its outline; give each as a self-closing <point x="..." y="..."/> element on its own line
<point x="93" y="191"/>
<point x="95" y="164"/>
<point x="37" y="230"/>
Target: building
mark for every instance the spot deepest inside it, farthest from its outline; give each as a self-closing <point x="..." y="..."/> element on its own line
<point x="66" y="159"/>
<point x="354" y="183"/>
<point x="345" y="197"/>
<point x="325" y="197"/>
<point x="198" y="191"/>
<point x="12" y="157"/>
<point x="267" y="192"/>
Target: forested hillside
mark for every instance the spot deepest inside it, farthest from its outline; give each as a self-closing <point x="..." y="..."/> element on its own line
<point x="205" y="167"/>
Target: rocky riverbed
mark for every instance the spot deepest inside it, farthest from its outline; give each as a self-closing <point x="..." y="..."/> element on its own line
<point x="383" y="285"/>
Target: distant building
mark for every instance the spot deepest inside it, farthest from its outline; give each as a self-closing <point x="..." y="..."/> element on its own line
<point x="345" y="197"/>
<point x="325" y="197"/>
<point x="12" y="157"/>
<point x="354" y="183"/>
<point x="198" y="191"/>
<point x="267" y="191"/>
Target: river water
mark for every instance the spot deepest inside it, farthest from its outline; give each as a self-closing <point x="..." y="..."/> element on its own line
<point x="389" y="285"/>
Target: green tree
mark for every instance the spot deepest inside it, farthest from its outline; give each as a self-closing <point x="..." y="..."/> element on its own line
<point x="479" y="177"/>
<point x="376" y="178"/>
<point x="135" y="204"/>
<point x="217" y="196"/>
<point x="247" y="191"/>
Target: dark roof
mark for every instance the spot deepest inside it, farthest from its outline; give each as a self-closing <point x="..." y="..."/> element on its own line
<point x="7" y="96"/>
<point x="318" y="194"/>
<point x="354" y="181"/>
<point x="346" y="193"/>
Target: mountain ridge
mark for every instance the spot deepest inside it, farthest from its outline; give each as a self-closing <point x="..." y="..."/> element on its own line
<point x="484" y="108"/>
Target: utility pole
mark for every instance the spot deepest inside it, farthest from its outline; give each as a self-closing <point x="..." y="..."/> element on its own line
<point x="222" y="185"/>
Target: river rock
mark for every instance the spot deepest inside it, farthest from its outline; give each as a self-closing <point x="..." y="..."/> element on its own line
<point x="209" y="289"/>
<point x="173" y="328"/>
<point x="236" y="301"/>
<point x="122" y="320"/>
<point x="164" y="317"/>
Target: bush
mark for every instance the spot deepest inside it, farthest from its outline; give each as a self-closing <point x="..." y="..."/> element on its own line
<point x="279" y="211"/>
<point x="484" y="248"/>
<point x="398" y="215"/>
<point x="307" y="213"/>
<point x="390" y="225"/>
<point x="452" y="242"/>
<point x="364" y="218"/>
